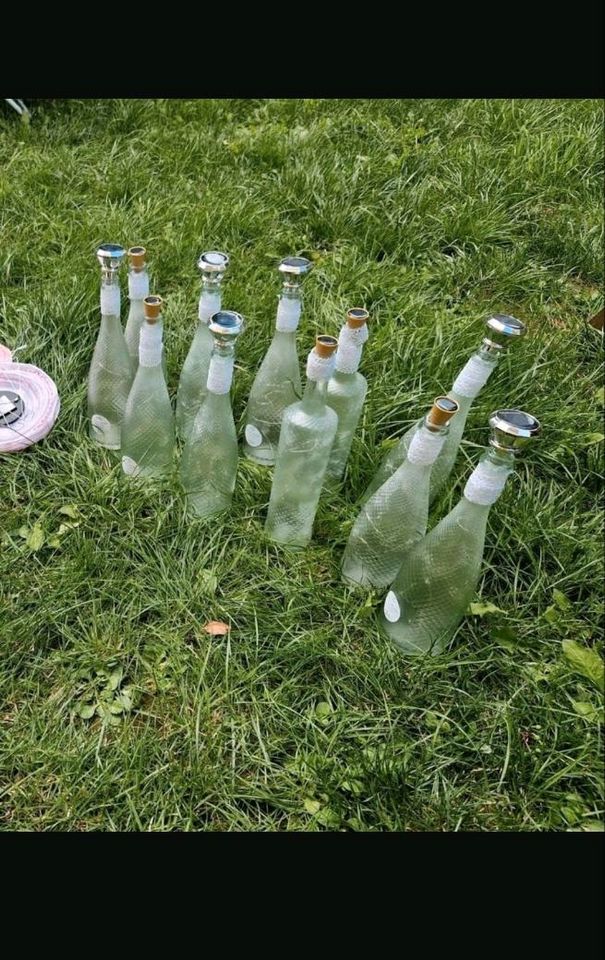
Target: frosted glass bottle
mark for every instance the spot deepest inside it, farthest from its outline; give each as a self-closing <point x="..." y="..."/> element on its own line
<point x="347" y="388"/>
<point x="438" y="577"/>
<point x="110" y="375"/>
<point x="192" y="383"/>
<point x="148" y="426"/>
<point x="501" y="331"/>
<point x="277" y="383"/>
<point x="209" y="461"/>
<point x="138" y="289"/>
<point x="306" y="438"/>
<point x="396" y="516"/>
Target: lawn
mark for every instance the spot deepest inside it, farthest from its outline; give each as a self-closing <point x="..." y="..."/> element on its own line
<point x="431" y="214"/>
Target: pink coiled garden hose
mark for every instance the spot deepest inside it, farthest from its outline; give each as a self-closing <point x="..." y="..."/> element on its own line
<point x="29" y="403"/>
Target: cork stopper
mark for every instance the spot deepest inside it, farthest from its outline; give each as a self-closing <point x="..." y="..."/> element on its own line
<point x="152" y="307"/>
<point x="442" y="411"/>
<point x="356" y="317"/>
<point x="137" y="255"/>
<point x="325" y="345"/>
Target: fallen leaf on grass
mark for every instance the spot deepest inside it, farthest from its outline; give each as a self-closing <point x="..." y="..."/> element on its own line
<point x="35" y="538"/>
<point x="586" y="661"/>
<point x="480" y="609"/>
<point x="216" y="628"/>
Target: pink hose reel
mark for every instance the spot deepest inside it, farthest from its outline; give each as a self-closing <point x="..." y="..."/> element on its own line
<point x="29" y="403"/>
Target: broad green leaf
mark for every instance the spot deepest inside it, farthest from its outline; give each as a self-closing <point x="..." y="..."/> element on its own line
<point x="115" y="678"/>
<point x="70" y="510"/>
<point x="584" y="708"/>
<point x="328" y="817"/>
<point x="433" y="721"/>
<point x="600" y="394"/>
<point x="35" y="539"/>
<point x="66" y="527"/>
<point x="323" y="710"/>
<point x="115" y="707"/>
<point x="86" y="710"/>
<point x="24" y="532"/>
<point x="124" y="699"/>
<point x="53" y="542"/>
<point x="591" y="438"/>
<point x="586" y="661"/>
<point x="311" y="806"/>
<point x="352" y="786"/>
<point x="481" y="609"/>
<point x="593" y="825"/>
<point x="561" y="600"/>
<point x="505" y="636"/>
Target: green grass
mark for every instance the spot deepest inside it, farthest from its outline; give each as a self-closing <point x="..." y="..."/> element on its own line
<point x="431" y="214"/>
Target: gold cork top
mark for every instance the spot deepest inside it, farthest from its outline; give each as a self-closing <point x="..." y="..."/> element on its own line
<point x="137" y="255"/>
<point x="325" y="345"/>
<point x="442" y="411"/>
<point x="152" y="307"/>
<point x="356" y="317"/>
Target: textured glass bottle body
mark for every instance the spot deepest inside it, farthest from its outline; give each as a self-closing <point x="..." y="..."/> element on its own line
<point x="306" y="438"/>
<point x="192" y="389"/>
<point x="148" y="429"/>
<point x="209" y="461"/>
<point x="436" y="582"/>
<point x="276" y="386"/>
<point x="389" y="523"/>
<point x="346" y="396"/>
<point x="109" y="381"/>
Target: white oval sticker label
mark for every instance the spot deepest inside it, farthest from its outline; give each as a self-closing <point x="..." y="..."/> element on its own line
<point x="129" y="466"/>
<point x="253" y="436"/>
<point x="392" y="610"/>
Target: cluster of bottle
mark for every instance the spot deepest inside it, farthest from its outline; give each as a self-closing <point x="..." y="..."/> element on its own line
<point x="306" y="436"/>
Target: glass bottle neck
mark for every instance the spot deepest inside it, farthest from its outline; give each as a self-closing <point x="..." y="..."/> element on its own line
<point x="315" y="393"/>
<point x="210" y="298"/>
<point x="284" y="336"/>
<point x="500" y="458"/>
<point x="488" y="354"/>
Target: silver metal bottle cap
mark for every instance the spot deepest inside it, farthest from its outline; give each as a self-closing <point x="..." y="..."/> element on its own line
<point x="295" y="266"/>
<point x="226" y="325"/>
<point x="512" y="429"/>
<point x="213" y="262"/>
<point x="502" y="329"/>
<point x="110" y="256"/>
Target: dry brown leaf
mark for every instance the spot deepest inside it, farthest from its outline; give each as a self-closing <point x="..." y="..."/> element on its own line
<point x="216" y="628"/>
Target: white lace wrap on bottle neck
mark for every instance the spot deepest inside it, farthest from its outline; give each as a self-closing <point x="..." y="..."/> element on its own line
<point x="472" y="377"/>
<point x="138" y="285"/>
<point x="485" y="483"/>
<point x="319" y="368"/>
<point x="150" y="345"/>
<point x="220" y="374"/>
<point x="425" y="447"/>
<point x="210" y="303"/>
<point x="110" y="300"/>
<point x="288" y="315"/>
<point x="350" y="347"/>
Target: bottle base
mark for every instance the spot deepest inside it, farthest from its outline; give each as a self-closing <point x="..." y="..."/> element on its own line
<point x="356" y="580"/>
<point x="262" y="460"/>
